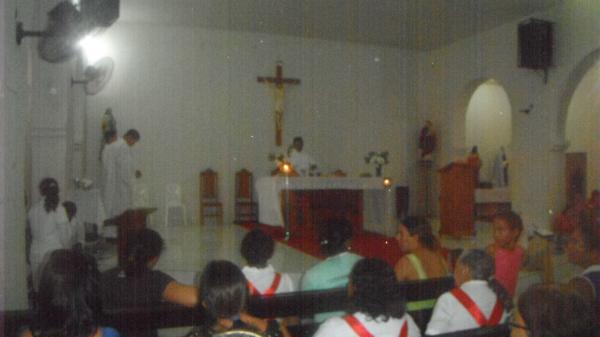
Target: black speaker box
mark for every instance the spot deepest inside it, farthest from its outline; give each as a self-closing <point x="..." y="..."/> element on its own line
<point x="100" y="13"/>
<point x="535" y="44"/>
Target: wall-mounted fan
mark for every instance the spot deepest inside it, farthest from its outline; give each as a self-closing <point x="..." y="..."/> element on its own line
<point x="96" y="76"/>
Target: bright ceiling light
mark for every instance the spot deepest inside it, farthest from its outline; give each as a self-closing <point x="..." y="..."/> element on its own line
<point x="93" y="49"/>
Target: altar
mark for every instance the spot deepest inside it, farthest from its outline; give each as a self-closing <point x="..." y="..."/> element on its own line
<point x="377" y="202"/>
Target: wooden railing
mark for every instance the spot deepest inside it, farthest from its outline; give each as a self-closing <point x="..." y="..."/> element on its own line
<point x="302" y="304"/>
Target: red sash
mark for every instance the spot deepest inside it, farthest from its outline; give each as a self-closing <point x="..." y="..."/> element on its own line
<point x="474" y="310"/>
<point x="360" y="329"/>
<point x="269" y="292"/>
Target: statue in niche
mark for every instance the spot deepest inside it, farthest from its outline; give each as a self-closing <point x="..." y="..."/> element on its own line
<point x="427" y="141"/>
<point x="501" y="169"/>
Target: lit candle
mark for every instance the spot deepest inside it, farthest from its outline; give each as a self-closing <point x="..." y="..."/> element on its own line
<point x="387" y="182"/>
<point x="287" y="168"/>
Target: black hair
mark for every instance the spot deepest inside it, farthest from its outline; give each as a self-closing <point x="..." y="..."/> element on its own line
<point x="142" y="247"/>
<point x="49" y="190"/>
<point x="481" y="267"/>
<point x="223" y="289"/>
<point x="333" y="236"/>
<point x="69" y="301"/>
<point x="133" y="133"/>
<point x="109" y="134"/>
<point x="549" y="311"/>
<point x="257" y="248"/>
<point x="70" y="208"/>
<point x="422" y="228"/>
<point x="298" y="139"/>
<point x="375" y="290"/>
<point x="511" y="218"/>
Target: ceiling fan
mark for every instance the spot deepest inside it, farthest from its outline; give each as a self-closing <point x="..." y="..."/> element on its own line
<point x="96" y="76"/>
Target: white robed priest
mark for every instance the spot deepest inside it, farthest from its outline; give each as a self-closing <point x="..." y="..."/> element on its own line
<point x="119" y="173"/>
<point x="301" y="161"/>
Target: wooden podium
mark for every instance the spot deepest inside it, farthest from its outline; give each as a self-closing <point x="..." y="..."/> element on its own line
<point x="128" y="224"/>
<point x="457" y="199"/>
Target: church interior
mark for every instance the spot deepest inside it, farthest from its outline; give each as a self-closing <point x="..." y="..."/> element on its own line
<point x="390" y="99"/>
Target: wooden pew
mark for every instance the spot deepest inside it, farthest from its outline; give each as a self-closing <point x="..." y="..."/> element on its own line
<point x="302" y="304"/>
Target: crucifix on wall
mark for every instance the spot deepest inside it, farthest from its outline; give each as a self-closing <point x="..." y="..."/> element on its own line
<point x="277" y="85"/>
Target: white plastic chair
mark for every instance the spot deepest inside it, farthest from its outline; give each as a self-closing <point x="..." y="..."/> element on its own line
<point x="175" y="212"/>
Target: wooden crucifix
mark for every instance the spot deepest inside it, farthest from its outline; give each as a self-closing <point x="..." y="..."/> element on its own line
<point x="277" y="85"/>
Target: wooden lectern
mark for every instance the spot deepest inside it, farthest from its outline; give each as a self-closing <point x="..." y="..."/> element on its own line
<point x="457" y="199"/>
<point x="128" y="224"/>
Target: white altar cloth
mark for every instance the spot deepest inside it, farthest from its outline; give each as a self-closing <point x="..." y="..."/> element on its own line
<point x="378" y="201"/>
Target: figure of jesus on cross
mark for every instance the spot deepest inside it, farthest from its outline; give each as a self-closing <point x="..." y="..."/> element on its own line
<point x="277" y="86"/>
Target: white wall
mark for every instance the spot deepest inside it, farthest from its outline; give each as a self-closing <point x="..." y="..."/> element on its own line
<point x="193" y="95"/>
<point x="583" y="123"/>
<point x="448" y="77"/>
<point x="488" y="125"/>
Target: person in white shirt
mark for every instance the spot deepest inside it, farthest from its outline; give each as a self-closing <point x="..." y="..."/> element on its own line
<point x="48" y="225"/>
<point x="476" y="290"/>
<point x="376" y="305"/>
<point x="257" y="248"/>
<point x="119" y="173"/>
<point x="76" y="227"/>
<point x="301" y="162"/>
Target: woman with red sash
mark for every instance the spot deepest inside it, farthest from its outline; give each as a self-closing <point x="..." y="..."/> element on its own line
<point x="477" y="301"/>
<point x="377" y="307"/>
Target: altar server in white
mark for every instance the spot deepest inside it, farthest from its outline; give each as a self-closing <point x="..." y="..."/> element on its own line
<point x="119" y="173"/>
<point x="301" y="162"/>
<point x="49" y="227"/>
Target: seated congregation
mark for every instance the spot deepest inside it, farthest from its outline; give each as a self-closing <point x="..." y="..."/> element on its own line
<point x="425" y="293"/>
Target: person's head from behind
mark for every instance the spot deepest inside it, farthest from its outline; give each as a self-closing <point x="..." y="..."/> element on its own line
<point x="131" y="137"/>
<point x="373" y="290"/>
<point x="110" y="136"/>
<point x="70" y="208"/>
<point x="473" y="264"/>
<point x="507" y="228"/>
<point x="548" y="311"/>
<point x="49" y="190"/>
<point x="335" y="237"/>
<point x="298" y="144"/>
<point x="583" y="247"/>
<point x="143" y="251"/>
<point x="257" y="248"/>
<point x="223" y="289"/>
<point x="414" y="233"/>
<point x="474" y="150"/>
<point x="69" y="296"/>
<point x="477" y="264"/>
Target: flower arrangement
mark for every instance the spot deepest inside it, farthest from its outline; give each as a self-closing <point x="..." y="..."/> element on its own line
<point x="378" y="160"/>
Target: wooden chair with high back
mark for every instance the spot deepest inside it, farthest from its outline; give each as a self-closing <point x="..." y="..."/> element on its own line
<point x="245" y="207"/>
<point x="210" y="206"/>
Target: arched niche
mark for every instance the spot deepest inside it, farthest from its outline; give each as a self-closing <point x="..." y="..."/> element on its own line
<point x="582" y="123"/>
<point x="488" y="125"/>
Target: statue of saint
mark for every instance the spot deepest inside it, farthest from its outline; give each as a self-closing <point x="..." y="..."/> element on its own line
<point x="427" y="141"/>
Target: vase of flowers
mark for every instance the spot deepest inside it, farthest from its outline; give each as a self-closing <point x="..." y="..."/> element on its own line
<point x="377" y="159"/>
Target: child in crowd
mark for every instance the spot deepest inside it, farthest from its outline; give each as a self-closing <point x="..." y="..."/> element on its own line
<point x="479" y="300"/>
<point x="376" y="306"/>
<point x="257" y="248"/>
<point x="69" y="302"/>
<point x="508" y="254"/>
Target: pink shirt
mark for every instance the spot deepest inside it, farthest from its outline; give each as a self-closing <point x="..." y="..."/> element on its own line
<point x="508" y="265"/>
